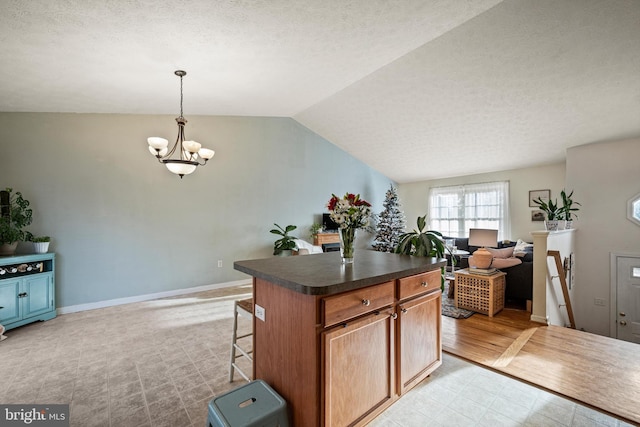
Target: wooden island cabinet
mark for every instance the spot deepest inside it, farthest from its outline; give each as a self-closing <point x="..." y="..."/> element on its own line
<point x="340" y="343"/>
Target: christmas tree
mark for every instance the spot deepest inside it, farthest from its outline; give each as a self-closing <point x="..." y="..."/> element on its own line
<point x="390" y="223"/>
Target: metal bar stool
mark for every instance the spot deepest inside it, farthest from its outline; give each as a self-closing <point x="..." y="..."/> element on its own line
<point x="244" y="308"/>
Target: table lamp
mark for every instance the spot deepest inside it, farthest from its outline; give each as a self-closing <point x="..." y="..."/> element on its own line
<point x="484" y="238"/>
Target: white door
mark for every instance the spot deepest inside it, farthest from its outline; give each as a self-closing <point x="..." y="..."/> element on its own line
<point x="628" y="298"/>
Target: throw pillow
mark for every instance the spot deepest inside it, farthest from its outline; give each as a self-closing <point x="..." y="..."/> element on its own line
<point x="505" y="262"/>
<point x="498" y="262"/>
<point x="520" y="249"/>
<point x="501" y="253"/>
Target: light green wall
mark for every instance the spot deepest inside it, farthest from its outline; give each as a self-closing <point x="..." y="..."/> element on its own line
<point x="414" y="196"/>
<point x="122" y="225"/>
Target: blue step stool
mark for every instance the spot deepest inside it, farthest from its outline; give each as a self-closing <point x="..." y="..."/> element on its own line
<point x="251" y="405"/>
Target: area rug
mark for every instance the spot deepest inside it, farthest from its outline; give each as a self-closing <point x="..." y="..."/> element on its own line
<point x="449" y="306"/>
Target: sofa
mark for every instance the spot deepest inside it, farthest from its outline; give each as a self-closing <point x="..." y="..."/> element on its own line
<point x="519" y="279"/>
<point x="305" y="248"/>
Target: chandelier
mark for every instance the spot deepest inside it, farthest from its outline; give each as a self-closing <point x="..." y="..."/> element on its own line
<point x="188" y="152"/>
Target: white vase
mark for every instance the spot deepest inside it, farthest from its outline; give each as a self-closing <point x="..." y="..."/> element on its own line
<point x="41" y="247"/>
<point x="551" y="225"/>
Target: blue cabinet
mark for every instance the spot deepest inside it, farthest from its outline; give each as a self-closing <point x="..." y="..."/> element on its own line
<point x="9" y="301"/>
<point x="27" y="289"/>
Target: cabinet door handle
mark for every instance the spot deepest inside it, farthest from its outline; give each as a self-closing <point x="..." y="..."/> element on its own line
<point x="423" y="284"/>
<point x="394" y="316"/>
<point x="366" y="302"/>
<point x="22" y="295"/>
<point x="404" y="310"/>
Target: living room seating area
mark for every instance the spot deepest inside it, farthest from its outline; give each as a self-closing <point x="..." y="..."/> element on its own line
<point x="513" y="258"/>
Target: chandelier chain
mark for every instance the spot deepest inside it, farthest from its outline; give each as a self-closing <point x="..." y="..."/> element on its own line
<point x="181" y="115"/>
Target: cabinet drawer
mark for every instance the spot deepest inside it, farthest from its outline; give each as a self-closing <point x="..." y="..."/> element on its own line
<point x="345" y="306"/>
<point x="419" y="284"/>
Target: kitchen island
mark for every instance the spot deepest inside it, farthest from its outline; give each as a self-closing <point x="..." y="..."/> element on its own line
<point x="340" y="343"/>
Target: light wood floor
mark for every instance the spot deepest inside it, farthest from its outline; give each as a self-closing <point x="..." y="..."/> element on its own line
<point x="597" y="371"/>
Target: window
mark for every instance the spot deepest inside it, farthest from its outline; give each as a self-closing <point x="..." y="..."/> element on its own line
<point x="633" y="209"/>
<point x="454" y="210"/>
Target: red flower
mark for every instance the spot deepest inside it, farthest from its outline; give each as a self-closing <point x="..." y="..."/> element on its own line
<point x="332" y="202"/>
<point x="361" y="202"/>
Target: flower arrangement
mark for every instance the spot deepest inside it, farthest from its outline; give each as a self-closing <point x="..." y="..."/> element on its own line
<point x="350" y="211"/>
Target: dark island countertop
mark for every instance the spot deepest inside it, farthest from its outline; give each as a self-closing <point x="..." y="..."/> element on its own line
<point x="324" y="274"/>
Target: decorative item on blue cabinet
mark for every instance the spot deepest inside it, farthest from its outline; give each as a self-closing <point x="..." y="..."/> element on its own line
<point x="27" y="289"/>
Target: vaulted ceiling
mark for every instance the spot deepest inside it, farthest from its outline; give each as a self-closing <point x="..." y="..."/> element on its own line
<point x="417" y="89"/>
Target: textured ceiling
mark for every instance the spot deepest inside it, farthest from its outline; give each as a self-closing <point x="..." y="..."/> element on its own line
<point x="416" y="89"/>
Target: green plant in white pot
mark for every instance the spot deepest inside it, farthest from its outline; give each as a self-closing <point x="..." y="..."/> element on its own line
<point x="423" y="242"/>
<point x="41" y="244"/>
<point x="286" y="244"/>
<point x="568" y="210"/>
<point x="15" y="215"/>
<point x="553" y="212"/>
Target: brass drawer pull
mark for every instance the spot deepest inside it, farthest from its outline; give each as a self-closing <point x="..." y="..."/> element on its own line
<point x="366" y="302"/>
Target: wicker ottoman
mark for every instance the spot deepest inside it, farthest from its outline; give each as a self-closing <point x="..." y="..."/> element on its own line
<point x="480" y="293"/>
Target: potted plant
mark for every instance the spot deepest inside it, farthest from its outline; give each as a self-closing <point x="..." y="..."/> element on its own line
<point x="15" y="214"/>
<point x="568" y="211"/>
<point x="314" y="230"/>
<point x="286" y="243"/>
<point x="553" y="211"/>
<point x="423" y="243"/>
<point x="41" y="244"/>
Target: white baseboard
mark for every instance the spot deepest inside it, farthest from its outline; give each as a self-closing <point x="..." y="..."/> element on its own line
<point x="539" y="319"/>
<point x="147" y="297"/>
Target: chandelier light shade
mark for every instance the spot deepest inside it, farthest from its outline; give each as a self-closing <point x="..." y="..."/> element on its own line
<point x="187" y="153"/>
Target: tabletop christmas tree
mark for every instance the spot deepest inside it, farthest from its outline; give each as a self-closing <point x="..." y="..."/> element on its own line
<point x="390" y="223"/>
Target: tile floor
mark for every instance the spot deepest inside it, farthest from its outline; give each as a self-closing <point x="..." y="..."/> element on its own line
<point x="462" y="394"/>
<point x="158" y="363"/>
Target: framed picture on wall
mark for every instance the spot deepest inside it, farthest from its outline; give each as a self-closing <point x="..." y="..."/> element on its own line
<point x="537" y="216"/>
<point x="545" y="195"/>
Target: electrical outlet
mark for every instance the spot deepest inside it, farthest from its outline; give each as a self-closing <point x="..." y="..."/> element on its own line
<point x="598" y="301"/>
<point x="259" y="312"/>
<point x="219" y="263"/>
